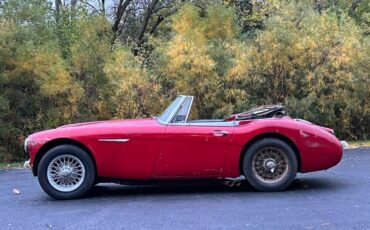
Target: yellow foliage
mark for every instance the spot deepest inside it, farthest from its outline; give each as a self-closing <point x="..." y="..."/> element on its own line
<point x="191" y="55"/>
<point x="132" y="92"/>
<point x="93" y="44"/>
<point x="231" y="55"/>
<point x="306" y="57"/>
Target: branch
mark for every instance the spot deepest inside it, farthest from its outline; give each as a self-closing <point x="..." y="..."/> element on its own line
<point x="160" y="19"/>
<point x="120" y="10"/>
<point x="354" y="6"/>
<point x="57" y="5"/>
<point x="318" y="6"/>
<point x="202" y="9"/>
<point x="140" y="35"/>
<point x="90" y="5"/>
<point x="73" y="4"/>
<point x="102" y="6"/>
<point x="156" y="10"/>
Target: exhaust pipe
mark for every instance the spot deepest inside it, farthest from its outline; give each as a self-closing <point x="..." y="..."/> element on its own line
<point x="231" y="182"/>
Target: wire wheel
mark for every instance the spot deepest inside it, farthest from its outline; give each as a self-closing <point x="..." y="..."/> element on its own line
<point x="65" y="173"/>
<point x="270" y="165"/>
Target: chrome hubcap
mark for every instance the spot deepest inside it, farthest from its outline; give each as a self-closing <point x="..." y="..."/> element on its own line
<point x="66" y="173"/>
<point x="270" y="165"/>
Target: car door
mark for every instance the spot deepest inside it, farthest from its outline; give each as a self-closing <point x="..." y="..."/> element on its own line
<point x="128" y="149"/>
<point x="193" y="150"/>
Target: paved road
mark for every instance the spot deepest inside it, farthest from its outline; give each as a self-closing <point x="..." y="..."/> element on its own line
<point x="335" y="199"/>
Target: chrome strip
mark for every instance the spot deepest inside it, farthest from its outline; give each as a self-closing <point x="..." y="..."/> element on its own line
<point x="188" y="113"/>
<point x="213" y="124"/>
<point x="114" y="140"/>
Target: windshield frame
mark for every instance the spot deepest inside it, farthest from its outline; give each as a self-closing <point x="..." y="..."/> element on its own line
<point x="170" y="112"/>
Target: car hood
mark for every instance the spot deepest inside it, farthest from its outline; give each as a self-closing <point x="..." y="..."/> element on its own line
<point x="91" y="128"/>
<point x="109" y="123"/>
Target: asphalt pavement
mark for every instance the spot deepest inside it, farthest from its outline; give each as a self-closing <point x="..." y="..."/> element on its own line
<point x="338" y="198"/>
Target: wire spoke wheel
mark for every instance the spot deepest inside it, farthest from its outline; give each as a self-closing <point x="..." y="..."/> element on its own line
<point x="65" y="173"/>
<point x="270" y="165"/>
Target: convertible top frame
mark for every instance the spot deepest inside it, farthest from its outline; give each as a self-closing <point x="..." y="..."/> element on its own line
<point x="184" y="106"/>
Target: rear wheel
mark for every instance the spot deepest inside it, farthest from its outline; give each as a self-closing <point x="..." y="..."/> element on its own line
<point x="270" y="164"/>
<point x="66" y="172"/>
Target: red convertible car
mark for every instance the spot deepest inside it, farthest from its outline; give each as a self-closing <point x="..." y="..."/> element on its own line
<point x="263" y="146"/>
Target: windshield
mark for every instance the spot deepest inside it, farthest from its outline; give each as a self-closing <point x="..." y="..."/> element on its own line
<point x="167" y="113"/>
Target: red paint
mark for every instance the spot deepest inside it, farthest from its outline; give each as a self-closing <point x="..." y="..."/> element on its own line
<point x="192" y="151"/>
<point x="156" y="151"/>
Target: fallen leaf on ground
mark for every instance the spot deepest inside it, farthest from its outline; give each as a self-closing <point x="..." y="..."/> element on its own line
<point x="16" y="191"/>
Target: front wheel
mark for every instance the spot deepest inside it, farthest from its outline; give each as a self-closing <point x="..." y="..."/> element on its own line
<point x="270" y="165"/>
<point x="66" y="172"/>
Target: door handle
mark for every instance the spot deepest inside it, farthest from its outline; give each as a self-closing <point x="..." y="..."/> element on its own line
<point x="220" y="133"/>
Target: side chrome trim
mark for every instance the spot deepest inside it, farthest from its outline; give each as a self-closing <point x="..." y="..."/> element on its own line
<point x="114" y="140"/>
<point x="210" y="124"/>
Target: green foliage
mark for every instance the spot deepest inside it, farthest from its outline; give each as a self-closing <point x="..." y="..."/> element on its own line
<point x="311" y="62"/>
<point x="197" y="55"/>
<point x="57" y="68"/>
<point x="131" y="91"/>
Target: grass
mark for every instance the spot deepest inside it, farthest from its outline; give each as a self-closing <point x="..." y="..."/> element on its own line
<point x="356" y="144"/>
<point x="12" y="165"/>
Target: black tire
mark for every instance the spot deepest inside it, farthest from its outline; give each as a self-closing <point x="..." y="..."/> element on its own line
<point x="87" y="180"/>
<point x="258" y="174"/>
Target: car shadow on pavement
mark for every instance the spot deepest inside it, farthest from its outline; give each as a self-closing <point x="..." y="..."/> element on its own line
<point x="316" y="184"/>
<point x="299" y="185"/>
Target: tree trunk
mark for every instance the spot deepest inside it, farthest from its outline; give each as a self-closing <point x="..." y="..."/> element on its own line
<point x="73" y="4"/>
<point x="58" y="3"/>
<point x="103" y="6"/>
<point x="160" y="19"/>
<point x="139" y="39"/>
<point x="121" y="8"/>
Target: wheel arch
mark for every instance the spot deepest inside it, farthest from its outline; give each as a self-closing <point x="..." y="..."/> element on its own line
<point x="270" y="135"/>
<point x="56" y="142"/>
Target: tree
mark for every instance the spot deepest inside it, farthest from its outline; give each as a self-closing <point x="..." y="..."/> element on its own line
<point x="309" y="61"/>
<point x="72" y="61"/>
<point x="134" y="20"/>
<point x="192" y="57"/>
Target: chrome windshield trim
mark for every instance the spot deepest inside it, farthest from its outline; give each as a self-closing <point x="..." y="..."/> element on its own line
<point x="191" y="104"/>
<point x="120" y="140"/>
<point x="175" y="110"/>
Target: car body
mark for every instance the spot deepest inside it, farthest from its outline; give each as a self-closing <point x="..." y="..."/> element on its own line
<point x="170" y="147"/>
